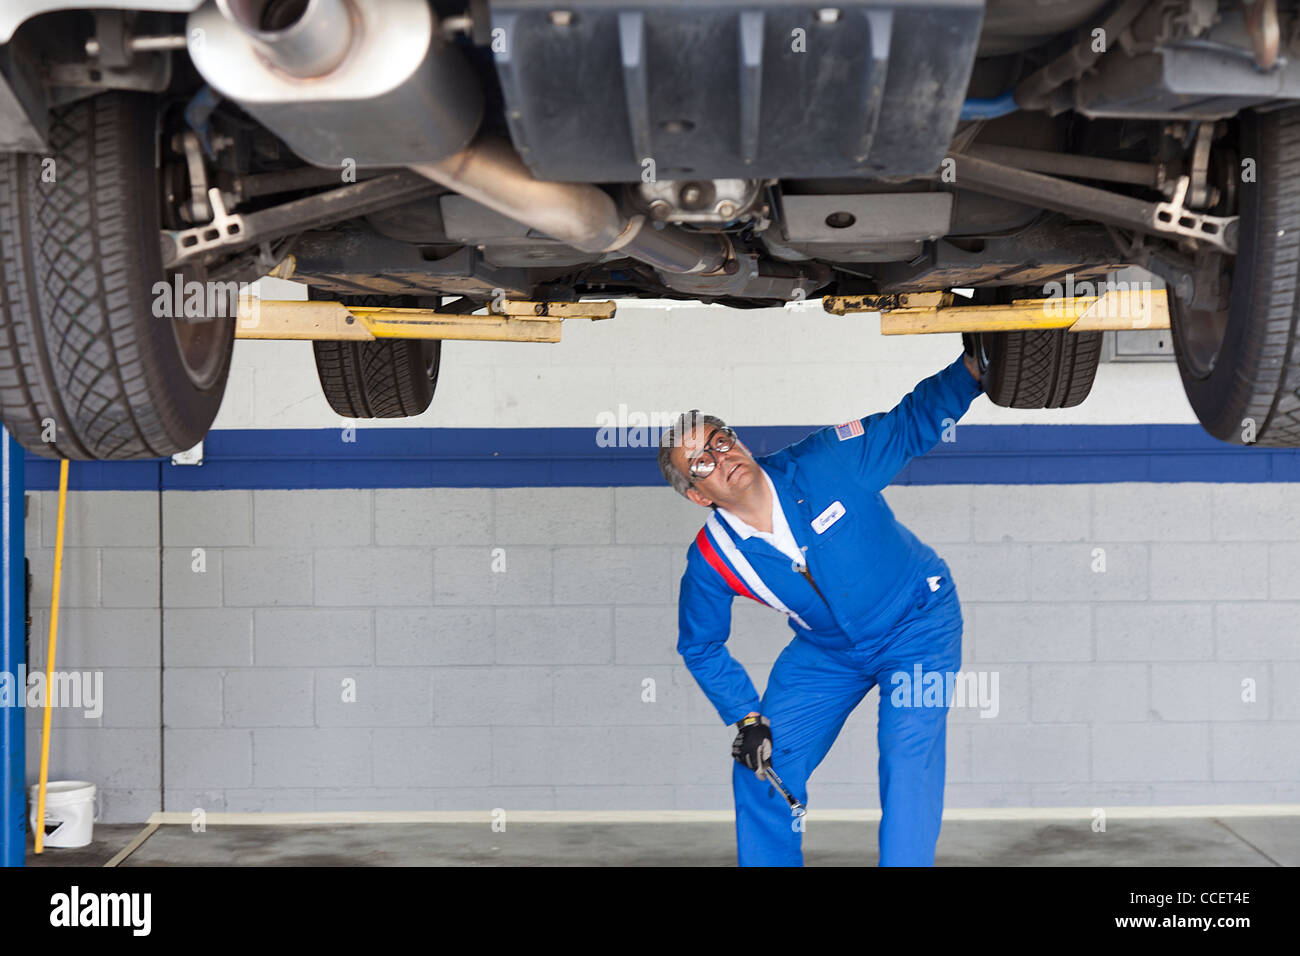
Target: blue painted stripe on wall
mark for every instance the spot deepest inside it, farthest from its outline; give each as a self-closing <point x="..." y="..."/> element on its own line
<point x="514" y="457"/>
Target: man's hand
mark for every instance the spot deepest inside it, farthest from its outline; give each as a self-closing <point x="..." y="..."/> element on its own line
<point x="972" y="362"/>
<point x="753" y="745"/>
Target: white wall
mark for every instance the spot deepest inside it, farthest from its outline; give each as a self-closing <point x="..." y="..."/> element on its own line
<point x="758" y="367"/>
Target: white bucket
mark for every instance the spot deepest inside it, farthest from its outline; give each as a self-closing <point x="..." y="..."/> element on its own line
<point x="71" y="805"/>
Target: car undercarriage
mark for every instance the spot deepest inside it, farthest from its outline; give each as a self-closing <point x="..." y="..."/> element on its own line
<point x="742" y="153"/>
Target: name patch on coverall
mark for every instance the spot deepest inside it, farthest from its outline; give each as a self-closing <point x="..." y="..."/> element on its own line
<point x="828" y="517"/>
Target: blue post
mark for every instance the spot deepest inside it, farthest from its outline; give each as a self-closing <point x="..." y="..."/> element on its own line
<point x="13" y="654"/>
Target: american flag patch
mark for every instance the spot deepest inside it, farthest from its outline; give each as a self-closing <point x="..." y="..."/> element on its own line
<point x="848" y="430"/>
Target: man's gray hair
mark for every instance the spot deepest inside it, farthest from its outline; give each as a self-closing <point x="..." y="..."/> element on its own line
<point x="672" y="437"/>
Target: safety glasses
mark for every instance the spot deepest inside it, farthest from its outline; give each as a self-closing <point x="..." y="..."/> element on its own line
<point x="719" y="443"/>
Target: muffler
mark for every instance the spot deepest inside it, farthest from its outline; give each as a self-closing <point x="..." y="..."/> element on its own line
<point x="341" y="81"/>
<point x="373" y="83"/>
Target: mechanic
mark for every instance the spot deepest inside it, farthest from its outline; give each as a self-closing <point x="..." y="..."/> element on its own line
<point x="805" y="530"/>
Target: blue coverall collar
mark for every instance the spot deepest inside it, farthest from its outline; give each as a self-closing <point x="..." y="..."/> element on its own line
<point x="781" y="474"/>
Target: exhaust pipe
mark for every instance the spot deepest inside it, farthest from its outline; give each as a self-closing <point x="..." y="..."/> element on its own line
<point x="304" y="38"/>
<point x="386" y="90"/>
<point x="491" y="173"/>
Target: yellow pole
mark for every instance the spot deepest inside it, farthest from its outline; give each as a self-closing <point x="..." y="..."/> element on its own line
<point x="49" y="657"/>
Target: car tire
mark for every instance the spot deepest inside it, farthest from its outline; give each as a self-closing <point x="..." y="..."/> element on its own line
<point x="388" y="378"/>
<point x="1240" y="365"/>
<point x="1039" y="368"/>
<point x="87" y="369"/>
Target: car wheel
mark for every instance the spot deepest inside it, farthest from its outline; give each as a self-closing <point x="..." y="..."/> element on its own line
<point x="1040" y="368"/>
<point x="388" y="378"/>
<point x="87" y="368"/>
<point x="1240" y="364"/>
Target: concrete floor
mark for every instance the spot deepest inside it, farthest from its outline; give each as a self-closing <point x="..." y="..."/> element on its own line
<point x="1232" y="841"/>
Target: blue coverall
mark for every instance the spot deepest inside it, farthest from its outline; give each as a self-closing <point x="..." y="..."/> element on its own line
<point x="878" y="614"/>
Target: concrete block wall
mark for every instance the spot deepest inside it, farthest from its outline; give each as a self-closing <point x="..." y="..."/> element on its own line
<point x="110" y="625"/>
<point x="477" y="648"/>
<point x="229" y="624"/>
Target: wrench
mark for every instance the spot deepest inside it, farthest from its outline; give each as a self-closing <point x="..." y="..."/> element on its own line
<point x="796" y="808"/>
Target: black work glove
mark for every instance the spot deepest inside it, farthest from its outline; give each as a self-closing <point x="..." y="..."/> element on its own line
<point x="973" y="346"/>
<point x="753" y="745"/>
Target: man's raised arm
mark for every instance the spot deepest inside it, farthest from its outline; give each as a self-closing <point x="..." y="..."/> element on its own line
<point x="877" y="447"/>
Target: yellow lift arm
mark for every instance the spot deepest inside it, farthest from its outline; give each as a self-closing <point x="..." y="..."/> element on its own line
<point x="915" y="313"/>
<point x="517" y="321"/>
<point x="923" y="312"/>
